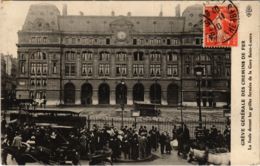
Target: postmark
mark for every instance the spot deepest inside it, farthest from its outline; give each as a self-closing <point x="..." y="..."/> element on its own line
<point x="221" y="24"/>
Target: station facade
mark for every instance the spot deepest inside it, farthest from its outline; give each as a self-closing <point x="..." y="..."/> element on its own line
<point x="90" y="60"/>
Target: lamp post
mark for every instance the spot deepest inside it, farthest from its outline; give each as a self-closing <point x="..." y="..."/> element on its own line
<point x="122" y="102"/>
<point x="199" y="71"/>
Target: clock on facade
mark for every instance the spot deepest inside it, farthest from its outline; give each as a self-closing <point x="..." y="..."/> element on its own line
<point x="121" y="35"/>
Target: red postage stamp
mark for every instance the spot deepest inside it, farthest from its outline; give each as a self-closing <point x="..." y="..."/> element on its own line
<point x="221" y="25"/>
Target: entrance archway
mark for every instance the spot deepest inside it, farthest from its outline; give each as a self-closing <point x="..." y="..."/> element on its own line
<point x="172" y="94"/>
<point x="155" y="93"/>
<point x="121" y="94"/>
<point x="138" y="92"/>
<point x="86" y="94"/>
<point x="69" y="93"/>
<point x="103" y="94"/>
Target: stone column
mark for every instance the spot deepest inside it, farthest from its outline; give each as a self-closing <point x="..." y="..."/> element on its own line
<point x="78" y="64"/>
<point x="164" y="97"/>
<point x="77" y="97"/>
<point x="130" y="64"/>
<point x="112" y="97"/>
<point x="95" y="97"/>
<point x="95" y="64"/>
<point x="130" y="97"/>
<point x="147" y="96"/>
<point x="146" y="64"/>
<point x="164" y="65"/>
<point x="112" y="64"/>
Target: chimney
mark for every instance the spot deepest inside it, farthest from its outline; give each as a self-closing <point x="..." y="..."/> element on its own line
<point x="178" y="11"/>
<point x="64" y="10"/>
<point x="112" y="13"/>
<point x="129" y="14"/>
<point x="161" y="14"/>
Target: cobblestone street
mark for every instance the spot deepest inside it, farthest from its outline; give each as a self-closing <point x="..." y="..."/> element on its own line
<point x="171" y="159"/>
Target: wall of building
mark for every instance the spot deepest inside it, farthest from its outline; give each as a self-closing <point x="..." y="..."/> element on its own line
<point x="65" y="50"/>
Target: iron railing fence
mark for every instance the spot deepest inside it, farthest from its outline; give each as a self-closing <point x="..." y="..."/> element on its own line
<point x="159" y="123"/>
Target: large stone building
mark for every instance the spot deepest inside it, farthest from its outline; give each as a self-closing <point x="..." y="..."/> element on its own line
<point x="8" y="76"/>
<point x="78" y="59"/>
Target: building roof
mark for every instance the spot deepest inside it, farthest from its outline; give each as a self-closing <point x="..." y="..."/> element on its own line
<point x="46" y="17"/>
<point x="41" y="17"/>
<point x="103" y="24"/>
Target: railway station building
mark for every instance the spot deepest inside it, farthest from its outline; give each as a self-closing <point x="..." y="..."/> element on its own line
<point x="90" y="60"/>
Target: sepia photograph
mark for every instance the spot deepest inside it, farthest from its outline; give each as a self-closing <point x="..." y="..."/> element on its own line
<point x="116" y="83"/>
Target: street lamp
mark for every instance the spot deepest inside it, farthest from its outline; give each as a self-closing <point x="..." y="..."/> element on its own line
<point x="199" y="71"/>
<point x="122" y="101"/>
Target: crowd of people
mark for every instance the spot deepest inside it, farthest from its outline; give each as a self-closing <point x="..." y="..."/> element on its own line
<point x="126" y="143"/>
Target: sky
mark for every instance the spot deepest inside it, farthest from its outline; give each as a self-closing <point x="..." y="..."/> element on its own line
<point x="13" y="14"/>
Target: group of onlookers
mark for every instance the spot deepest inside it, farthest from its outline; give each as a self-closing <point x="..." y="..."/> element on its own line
<point x="127" y="143"/>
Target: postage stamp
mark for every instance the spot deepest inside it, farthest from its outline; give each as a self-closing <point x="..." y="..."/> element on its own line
<point x="221" y="25"/>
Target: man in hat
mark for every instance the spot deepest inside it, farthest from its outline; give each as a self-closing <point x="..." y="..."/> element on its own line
<point x="162" y="142"/>
<point x="17" y="142"/>
<point x="142" y="145"/>
<point x="53" y="141"/>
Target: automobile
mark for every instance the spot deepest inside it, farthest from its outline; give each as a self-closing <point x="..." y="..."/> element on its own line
<point x="101" y="157"/>
<point x="146" y="109"/>
<point x="50" y="116"/>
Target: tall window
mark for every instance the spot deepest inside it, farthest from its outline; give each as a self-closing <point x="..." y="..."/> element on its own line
<point x="73" y="40"/>
<point x="175" y="42"/>
<point x="198" y="41"/>
<point x="172" y="70"/>
<point x="44" y="82"/>
<point x="107" y="41"/>
<point x="138" y="70"/>
<point x="168" y="41"/>
<point x="32" y="82"/>
<point x="121" y="70"/>
<point x="172" y="56"/>
<point x="70" y="55"/>
<point x="155" y="70"/>
<point x="86" y="70"/>
<point x="70" y="69"/>
<point x="54" y="67"/>
<point x="155" y="56"/>
<point x="202" y="58"/>
<point x="140" y="41"/>
<point x="121" y="56"/>
<point x="187" y="69"/>
<point x="44" y="68"/>
<point x="44" y="39"/>
<point x="39" y="39"/>
<point x="38" y="82"/>
<point x="104" y="56"/>
<point x="138" y="56"/>
<point x="39" y="55"/>
<point x="38" y="68"/>
<point x="33" y="68"/>
<point x="134" y="41"/>
<point x="218" y="70"/>
<point x="103" y="69"/>
<point x="206" y="69"/>
<point x="33" y="40"/>
<point x="87" y="56"/>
